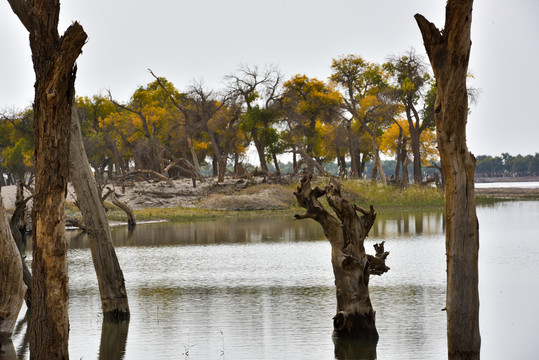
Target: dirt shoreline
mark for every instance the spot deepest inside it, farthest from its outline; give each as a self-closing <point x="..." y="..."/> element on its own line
<point x="237" y="194"/>
<point x="232" y="194"/>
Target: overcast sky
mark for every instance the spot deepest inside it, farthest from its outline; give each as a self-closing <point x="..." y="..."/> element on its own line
<point x="207" y="39"/>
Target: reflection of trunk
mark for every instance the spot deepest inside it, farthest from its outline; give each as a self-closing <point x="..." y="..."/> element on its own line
<point x="346" y="349"/>
<point x="113" y="339"/>
<point x="107" y="268"/>
<point x="13" y="288"/>
<point x="449" y="52"/>
<point x="351" y="265"/>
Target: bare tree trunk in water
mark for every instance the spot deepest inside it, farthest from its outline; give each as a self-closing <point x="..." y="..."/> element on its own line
<point x="352" y="267"/>
<point x="54" y="66"/>
<point x="12" y="286"/>
<point x="110" y="278"/>
<point x="131" y="219"/>
<point x="449" y="53"/>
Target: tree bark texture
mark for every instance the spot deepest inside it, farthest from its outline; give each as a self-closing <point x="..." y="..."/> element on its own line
<point x="54" y="65"/>
<point x="449" y="52"/>
<point x="110" y="278"/>
<point x="12" y="288"/>
<point x="352" y="267"/>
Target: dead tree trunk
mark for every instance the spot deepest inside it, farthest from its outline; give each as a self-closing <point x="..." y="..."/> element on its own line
<point x="54" y="59"/>
<point x="110" y="278"/>
<point x="12" y="286"/>
<point x="351" y="265"/>
<point x="18" y="236"/>
<point x="131" y="219"/>
<point x="449" y="52"/>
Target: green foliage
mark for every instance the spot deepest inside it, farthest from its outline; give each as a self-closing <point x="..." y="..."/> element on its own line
<point x="257" y="118"/>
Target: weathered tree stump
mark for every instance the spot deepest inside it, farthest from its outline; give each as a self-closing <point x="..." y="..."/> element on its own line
<point x="352" y="267"/>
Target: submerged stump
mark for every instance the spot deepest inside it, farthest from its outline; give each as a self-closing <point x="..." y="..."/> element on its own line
<point x="352" y="266"/>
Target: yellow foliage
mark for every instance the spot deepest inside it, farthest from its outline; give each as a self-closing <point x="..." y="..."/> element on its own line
<point x="389" y="142"/>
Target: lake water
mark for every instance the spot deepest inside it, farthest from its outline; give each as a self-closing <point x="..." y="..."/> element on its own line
<point x="262" y="288"/>
<point x="509" y="184"/>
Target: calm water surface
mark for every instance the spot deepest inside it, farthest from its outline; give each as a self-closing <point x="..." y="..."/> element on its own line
<point x="263" y="289"/>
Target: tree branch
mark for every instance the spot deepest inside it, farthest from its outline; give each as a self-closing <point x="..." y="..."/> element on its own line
<point x="308" y="199"/>
<point x="21" y="9"/>
<point x="432" y="38"/>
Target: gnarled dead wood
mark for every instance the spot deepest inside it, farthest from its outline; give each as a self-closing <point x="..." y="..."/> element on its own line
<point x="186" y="166"/>
<point x="141" y="172"/>
<point x="351" y="265"/>
<point x="131" y="219"/>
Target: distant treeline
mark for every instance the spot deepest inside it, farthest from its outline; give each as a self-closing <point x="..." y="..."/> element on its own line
<point x="389" y="167"/>
<point x="487" y="166"/>
<point x="507" y="165"/>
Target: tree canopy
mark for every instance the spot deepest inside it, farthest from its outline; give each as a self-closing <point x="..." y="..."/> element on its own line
<point x="364" y="111"/>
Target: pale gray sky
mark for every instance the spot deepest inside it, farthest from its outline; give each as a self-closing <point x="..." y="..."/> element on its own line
<point x="207" y="39"/>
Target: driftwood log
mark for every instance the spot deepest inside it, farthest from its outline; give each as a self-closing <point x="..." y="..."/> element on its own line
<point x="352" y="267"/>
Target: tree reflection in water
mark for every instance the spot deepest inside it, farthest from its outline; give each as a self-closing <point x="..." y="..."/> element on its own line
<point x="346" y="349"/>
<point x="113" y="340"/>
